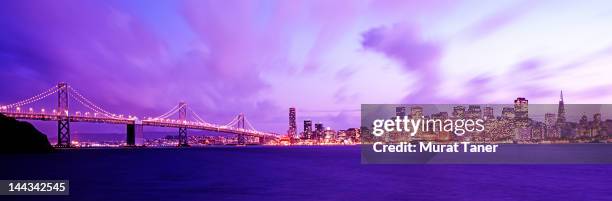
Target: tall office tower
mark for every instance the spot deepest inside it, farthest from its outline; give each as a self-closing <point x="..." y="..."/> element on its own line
<point x="582" y="129"/>
<point x="416" y="112"/>
<point x="521" y="108"/>
<point x="458" y="111"/>
<point x="597" y="126"/>
<point x="521" y="115"/>
<point x="292" y="132"/>
<point x="307" y="129"/>
<point x="319" y="127"/>
<point x="561" y="110"/>
<point x="318" y="132"/>
<point x="400" y="111"/>
<point x="474" y="112"/>
<point x="488" y="113"/>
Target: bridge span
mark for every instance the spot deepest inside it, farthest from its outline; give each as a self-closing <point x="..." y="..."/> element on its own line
<point x="239" y="126"/>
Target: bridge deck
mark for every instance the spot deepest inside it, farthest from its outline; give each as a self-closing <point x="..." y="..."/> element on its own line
<point x="152" y="123"/>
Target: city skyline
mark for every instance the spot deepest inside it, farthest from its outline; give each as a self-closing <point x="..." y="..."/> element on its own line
<point x="515" y="123"/>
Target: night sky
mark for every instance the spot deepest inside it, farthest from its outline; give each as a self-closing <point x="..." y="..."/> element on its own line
<point x="323" y="57"/>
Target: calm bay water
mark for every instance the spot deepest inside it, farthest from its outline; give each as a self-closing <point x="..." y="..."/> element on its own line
<point x="294" y="173"/>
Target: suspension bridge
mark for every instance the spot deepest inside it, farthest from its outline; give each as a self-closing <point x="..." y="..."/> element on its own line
<point x="177" y="117"/>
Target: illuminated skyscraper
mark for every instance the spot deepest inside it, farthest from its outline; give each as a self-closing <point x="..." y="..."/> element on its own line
<point x="318" y="132"/>
<point x="521" y="108"/>
<point x="521" y="112"/>
<point x="292" y="124"/>
<point x="597" y="127"/>
<point x="458" y="111"/>
<point x="582" y="129"/>
<point x="330" y="135"/>
<point x="307" y="129"/>
<point x="319" y="127"/>
<point x="416" y="112"/>
<point x="474" y="112"/>
<point x="561" y="110"/>
<point x="400" y="111"/>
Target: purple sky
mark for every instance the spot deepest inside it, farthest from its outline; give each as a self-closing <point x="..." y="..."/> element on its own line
<point x="323" y="57"/>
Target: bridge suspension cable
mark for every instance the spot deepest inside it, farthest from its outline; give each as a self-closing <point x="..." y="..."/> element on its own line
<point x="32" y="99"/>
<point x="197" y="117"/>
<point x="87" y="103"/>
<point x="249" y="123"/>
<point x="237" y="119"/>
<point x="233" y="122"/>
<point x="171" y="112"/>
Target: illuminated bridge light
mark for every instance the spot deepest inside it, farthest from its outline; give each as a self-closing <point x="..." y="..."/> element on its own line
<point x="107" y="117"/>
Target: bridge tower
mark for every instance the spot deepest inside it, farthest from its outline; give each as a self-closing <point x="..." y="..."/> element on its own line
<point x="134" y="131"/>
<point x="183" y="130"/>
<point x="240" y="124"/>
<point x="63" y="122"/>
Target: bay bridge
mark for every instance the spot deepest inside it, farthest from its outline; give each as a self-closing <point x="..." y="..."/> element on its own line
<point x="174" y="118"/>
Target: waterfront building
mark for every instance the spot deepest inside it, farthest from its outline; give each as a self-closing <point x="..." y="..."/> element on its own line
<point x="474" y="112"/>
<point x="458" y="112"/>
<point x="521" y="109"/>
<point x="400" y="111"/>
<point x="341" y="135"/>
<point x="353" y="134"/>
<point x="416" y="112"/>
<point x="292" y="132"/>
<point x="561" y="110"/>
<point x="598" y="129"/>
<point x="582" y="129"/>
<point x="318" y="132"/>
<point x="307" y="129"/>
<point x="330" y="135"/>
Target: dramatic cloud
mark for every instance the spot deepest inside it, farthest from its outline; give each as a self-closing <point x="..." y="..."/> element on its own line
<point x="418" y="56"/>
